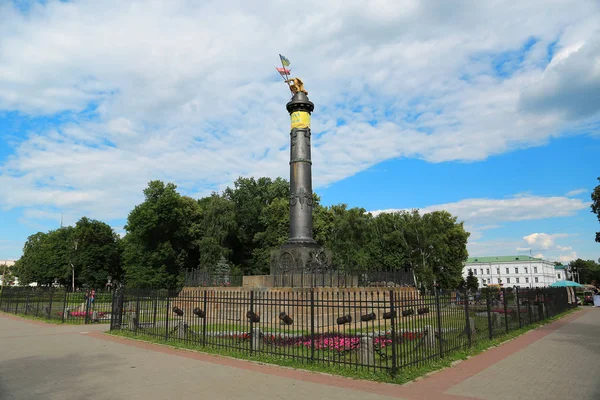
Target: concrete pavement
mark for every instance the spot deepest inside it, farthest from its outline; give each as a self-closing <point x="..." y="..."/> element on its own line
<point x="41" y="361"/>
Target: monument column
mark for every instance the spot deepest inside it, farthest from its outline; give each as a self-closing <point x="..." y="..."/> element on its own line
<point x="301" y="195"/>
<point x="301" y="253"/>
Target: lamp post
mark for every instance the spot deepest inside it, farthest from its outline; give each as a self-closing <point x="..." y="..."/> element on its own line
<point x="73" y="271"/>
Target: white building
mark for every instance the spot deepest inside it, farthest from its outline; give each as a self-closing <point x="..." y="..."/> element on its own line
<point x="510" y="271"/>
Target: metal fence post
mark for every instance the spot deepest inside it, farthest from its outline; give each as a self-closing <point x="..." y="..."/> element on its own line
<point x="136" y="321"/>
<point x="393" y="332"/>
<point x="64" y="306"/>
<point x="112" y="310"/>
<point x="27" y="301"/>
<point x="17" y="302"/>
<point x="505" y="301"/>
<point x="49" y="313"/>
<point x="489" y="314"/>
<point x="439" y="321"/>
<point x="155" y="308"/>
<point x="312" y="324"/>
<point x="251" y="320"/>
<point x="468" y="318"/>
<point x="518" y="307"/>
<point x="167" y="318"/>
<point x="204" y="319"/>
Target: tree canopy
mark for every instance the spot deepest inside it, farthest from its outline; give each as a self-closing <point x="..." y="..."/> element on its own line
<point x="90" y="251"/>
<point x="236" y="230"/>
<point x="586" y="270"/>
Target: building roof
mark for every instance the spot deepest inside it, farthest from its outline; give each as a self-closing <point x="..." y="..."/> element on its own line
<point x="560" y="267"/>
<point x="501" y="259"/>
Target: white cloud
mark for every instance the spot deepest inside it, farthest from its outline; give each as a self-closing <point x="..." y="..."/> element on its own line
<point x="564" y="248"/>
<point x="485" y="211"/>
<point x="576" y="192"/>
<point x="543" y="240"/>
<point x="566" y="258"/>
<point x="186" y="92"/>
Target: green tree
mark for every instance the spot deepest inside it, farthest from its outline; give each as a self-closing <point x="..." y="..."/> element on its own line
<point x="586" y="270"/>
<point x="250" y="197"/>
<point x="433" y="245"/>
<point x="348" y="237"/>
<point x="472" y="282"/>
<point x="97" y="253"/>
<point x="596" y="206"/>
<point x="47" y="258"/>
<point x="216" y="231"/>
<point x="160" y="242"/>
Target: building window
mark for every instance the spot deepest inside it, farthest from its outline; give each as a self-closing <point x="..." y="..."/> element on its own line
<point x="526" y="280"/>
<point x="487" y="271"/>
<point x="483" y="281"/>
<point x="517" y="279"/>
<point x="535" y="270"/>
<point x="507" y="280"/>
<point x="525" y="269"/>
<point x="498" y="271"/>
<point x="536" y="279"/>
<point x="558" y="276"/>
<point x="475" y="271"/>
<point x="481" y="270"/>
<point x="516" y="270"/>
<point x="507" y="271"/>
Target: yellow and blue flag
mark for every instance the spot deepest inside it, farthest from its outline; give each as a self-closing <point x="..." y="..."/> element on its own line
<point x="284" y="61"/>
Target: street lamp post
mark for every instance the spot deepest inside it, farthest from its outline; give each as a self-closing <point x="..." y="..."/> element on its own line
<point x="73" y="272"/>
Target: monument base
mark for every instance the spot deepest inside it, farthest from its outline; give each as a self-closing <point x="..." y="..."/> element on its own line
<point x="300" y="257"/>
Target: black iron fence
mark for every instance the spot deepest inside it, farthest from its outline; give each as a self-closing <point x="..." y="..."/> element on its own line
<point x="198" y="278"/>
<point x="328" y="278"/>
<point x="58" y="304"/>
<point x="344" y="279"/>
<point x="377" y="329"/>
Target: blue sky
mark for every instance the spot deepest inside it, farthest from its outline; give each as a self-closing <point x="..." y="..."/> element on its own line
<point x="488" y="111"/>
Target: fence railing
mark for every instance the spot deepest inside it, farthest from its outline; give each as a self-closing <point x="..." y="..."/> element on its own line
<point x="58" y="304"/>
<point x="329" y="278"/>
<point x="345" y="279"/>
<point x="198" y="278"/>
<point x="369" y="329"/>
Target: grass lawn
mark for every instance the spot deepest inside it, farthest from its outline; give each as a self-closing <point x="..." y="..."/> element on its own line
<point x="412" y="361"/>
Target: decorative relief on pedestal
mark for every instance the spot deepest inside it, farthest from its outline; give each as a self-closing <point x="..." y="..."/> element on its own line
<point x="286" y="262"/>
<point x="301" y="197"/>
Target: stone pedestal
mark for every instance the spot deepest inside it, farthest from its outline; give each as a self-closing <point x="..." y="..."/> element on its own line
<point x="430" y="337"/>
<point x="367" y="351"/>
<point x="181" y="330"/>
<point x="256" y="339"/>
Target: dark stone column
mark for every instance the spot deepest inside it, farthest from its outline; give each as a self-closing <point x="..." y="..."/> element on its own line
<point x="301" y="196"/>
<point x="301" y="253"/>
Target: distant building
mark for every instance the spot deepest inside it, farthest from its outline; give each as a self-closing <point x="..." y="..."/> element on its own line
<point x="561" y="273"/>
<point x="511" y="271"/>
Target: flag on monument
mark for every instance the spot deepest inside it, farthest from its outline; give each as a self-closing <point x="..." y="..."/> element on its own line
<point x="283" y="71"/>
<point x="284" y="61"/>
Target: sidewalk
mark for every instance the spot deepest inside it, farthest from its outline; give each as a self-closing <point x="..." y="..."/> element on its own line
<point x="40" y="361"/>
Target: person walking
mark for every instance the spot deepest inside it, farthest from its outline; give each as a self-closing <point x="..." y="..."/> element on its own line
<point x="596" y="294"/>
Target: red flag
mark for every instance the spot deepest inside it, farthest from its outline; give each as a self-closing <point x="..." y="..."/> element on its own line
<point x="283" y="71"/>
